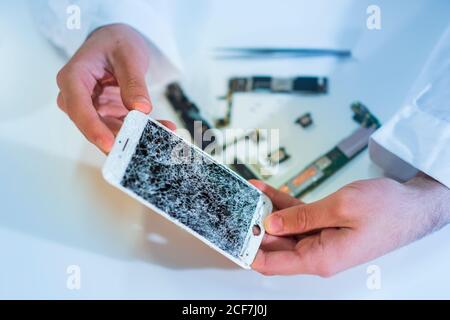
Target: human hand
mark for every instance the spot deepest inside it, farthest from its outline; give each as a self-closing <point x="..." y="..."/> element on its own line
<point x="358" y="223"/>
<point x="103" y="81"/>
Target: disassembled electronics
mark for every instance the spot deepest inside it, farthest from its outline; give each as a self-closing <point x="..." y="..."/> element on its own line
<point x="189" y="113"/>
<point x="265" y="165"/>
<point x="326" y="165"/>
<point x="305" y="120"/>
<point x="278" y="156"/>
<point x="243" y="170"/>
<point x="262" y="165"/>
<point x="363" y="116"/>
<point x="256" y="136"/>
<point x="304" y="85"/>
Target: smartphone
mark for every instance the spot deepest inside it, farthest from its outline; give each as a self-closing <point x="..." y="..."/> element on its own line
<point x="179" y="181"/>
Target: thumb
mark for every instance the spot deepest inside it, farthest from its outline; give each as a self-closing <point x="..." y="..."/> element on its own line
<point x="133" y="88"/>
<point x="300" y="219"/>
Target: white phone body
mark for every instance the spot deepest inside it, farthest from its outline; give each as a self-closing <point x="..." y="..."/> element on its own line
<point x="120" y="156"/>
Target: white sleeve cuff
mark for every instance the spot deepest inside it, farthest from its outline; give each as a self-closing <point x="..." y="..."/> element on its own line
<point x="419" y="134"/>
<point x="52" y="20"/>
<point x="150" y="18"/>
<point x="417" y="138"/>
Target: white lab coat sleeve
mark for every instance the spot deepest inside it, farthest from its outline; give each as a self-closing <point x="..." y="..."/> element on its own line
<point x="151" y="18"/>
<point x="417" y="138"/>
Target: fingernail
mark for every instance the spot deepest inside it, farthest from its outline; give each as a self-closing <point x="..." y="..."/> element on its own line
<point x="274" y="224"/>
<point x="142" y="104"/>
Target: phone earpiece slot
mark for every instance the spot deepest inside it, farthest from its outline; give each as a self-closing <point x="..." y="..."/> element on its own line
<point x="125" y="145"/>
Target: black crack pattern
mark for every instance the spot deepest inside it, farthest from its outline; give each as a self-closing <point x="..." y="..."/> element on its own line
<point x="207" y="198"/>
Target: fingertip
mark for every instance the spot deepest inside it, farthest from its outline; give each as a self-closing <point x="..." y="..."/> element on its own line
<point x="105" y="142"/>
<point x="144" y="107"/>
<point x="169" y="124"/>
<point x="273" y="224"/>
<point x="108" y="146"/>
<point x="258" y="263"/>
<point x="60" y="102"/>
<point x="258" y="184"/>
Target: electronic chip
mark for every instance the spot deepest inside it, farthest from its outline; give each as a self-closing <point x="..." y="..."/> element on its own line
<point x="243" y="170"/>
<point x="323" y="163"/>
<point x="304" y="176"/>
<point x="278" y="156"/>
<point x="305" y="120"/>
<point x="255" y="135"/>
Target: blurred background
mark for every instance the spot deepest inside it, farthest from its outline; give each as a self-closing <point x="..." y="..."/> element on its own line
<point x="56" y="210"/>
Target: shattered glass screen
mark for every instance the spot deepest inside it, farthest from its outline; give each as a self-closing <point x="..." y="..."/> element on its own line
<point x="202" y="195"/>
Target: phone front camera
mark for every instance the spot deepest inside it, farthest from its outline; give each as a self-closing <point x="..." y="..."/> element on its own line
<point x="256" y="230"/>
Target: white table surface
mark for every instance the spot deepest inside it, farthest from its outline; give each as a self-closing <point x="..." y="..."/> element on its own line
<point x="57" y="211"/>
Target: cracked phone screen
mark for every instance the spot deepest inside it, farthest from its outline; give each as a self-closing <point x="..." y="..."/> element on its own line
<point x="204" y="196"/>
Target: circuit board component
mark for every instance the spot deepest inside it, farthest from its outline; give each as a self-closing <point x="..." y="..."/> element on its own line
<point x="243" y="170"/>
<point x="329" y="163"/>
<point x="189" y="114"/>
<point x="305" y="120"/>
<point x="296" y="85"/>
<point x="304" y="84"/>
<point x="278" y="156"/>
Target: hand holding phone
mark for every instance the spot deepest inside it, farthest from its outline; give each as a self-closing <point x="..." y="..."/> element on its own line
<point x="182" y="183"/>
